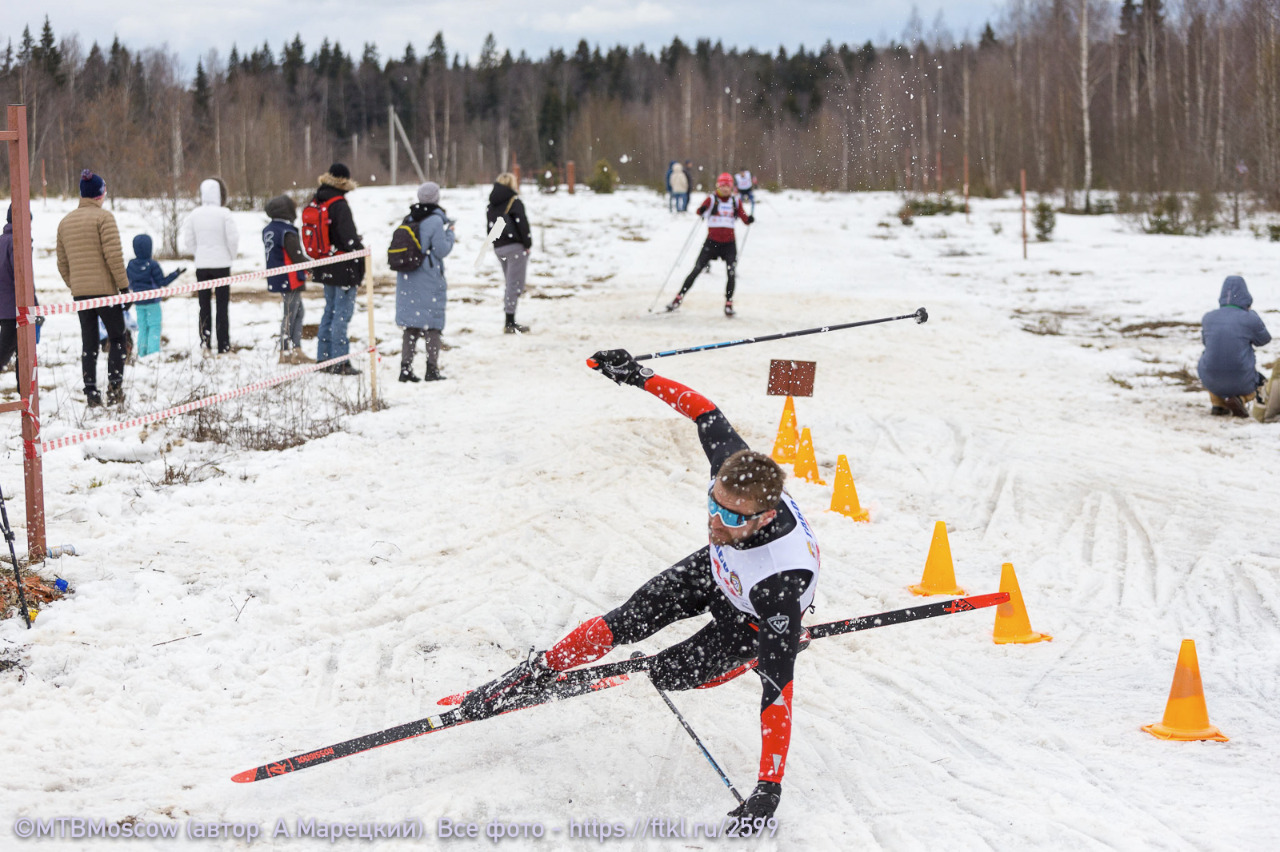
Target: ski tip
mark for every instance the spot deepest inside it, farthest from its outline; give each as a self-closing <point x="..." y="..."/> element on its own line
<point x="452" y="700"/>
<point x="245" y="777"/>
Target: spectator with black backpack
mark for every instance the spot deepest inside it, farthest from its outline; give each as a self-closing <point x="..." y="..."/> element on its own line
<point x="417" y="251"/>
<point x="329" y="229"/>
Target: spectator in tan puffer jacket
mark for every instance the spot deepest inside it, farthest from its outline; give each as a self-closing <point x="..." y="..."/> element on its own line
<point x="91" y="263"/>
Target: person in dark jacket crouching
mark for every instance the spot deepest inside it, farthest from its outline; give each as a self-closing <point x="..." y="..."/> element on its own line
<point x="1227" y="368"/>
<point x="341" y="280"/>
<point x="513" y="246"/>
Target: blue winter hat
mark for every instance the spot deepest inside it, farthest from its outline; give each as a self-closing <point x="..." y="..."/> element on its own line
<point x="91" y="185"/>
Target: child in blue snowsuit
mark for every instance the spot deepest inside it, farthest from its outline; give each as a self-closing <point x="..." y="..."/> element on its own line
<point x="145" y="274"/>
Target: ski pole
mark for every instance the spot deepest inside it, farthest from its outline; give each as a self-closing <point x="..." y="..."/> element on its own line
<point x="17" y="575"/>
<point x="920" y="315"/>
<point x="679" y="257"/>
<point x="689" y="730"/>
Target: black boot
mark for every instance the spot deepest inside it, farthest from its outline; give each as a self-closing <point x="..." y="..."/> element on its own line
<point x="518" y="688"/>
<point x="433" y="374"/>
<point x="92" y="397"/>
<point x="406" y="375"/>
<point x="115" y="395"/>
<point x="513" y="327"/>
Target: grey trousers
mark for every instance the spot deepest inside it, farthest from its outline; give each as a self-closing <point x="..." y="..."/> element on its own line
<point x="291" y="324"/>
<point x="409" y="346"/>
<point x="515" y="263"/>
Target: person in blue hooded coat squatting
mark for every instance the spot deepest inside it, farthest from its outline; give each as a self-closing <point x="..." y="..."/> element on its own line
<point x="1227" y="368"/>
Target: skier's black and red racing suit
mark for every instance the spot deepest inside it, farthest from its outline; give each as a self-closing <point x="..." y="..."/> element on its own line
<point x="755" y="592"/>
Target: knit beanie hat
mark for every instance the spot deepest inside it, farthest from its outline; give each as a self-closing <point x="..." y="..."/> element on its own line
<point x="91" y="185"/>
<point x="338" y="170"/>
<point x="429" y="193"/>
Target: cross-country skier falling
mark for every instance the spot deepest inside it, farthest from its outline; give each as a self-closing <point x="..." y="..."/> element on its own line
<point x="755" y="578"/>
<point x="720" y="209"/>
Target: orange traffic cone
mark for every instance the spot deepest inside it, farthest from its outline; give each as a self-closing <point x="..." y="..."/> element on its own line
<point x="939" y="571"/>
<point x="1185" y="716"/>
<point x="784" y="448"/>
<point x="844" y="496"/>
<point x="1013" y="627"/>
<point x="806" y="467"/>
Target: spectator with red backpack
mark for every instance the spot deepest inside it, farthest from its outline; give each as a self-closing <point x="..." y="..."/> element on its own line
<point x="417" y="253"/>
<point x="720" y="211"/>
<point x="283" y="246"/>
<point x="328" y="229"/>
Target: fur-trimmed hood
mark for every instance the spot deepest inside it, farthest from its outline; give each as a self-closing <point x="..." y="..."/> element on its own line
<point x="342" y="184"/>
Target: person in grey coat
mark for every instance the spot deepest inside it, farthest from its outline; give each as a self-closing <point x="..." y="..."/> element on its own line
<point x="420" y="293"/>
<point x="1227" y="368"/>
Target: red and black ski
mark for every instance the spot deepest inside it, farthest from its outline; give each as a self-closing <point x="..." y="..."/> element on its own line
<point x="593" y="679"/>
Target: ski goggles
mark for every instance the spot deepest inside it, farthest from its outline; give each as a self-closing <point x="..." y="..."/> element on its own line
<point x="727" y="517"/>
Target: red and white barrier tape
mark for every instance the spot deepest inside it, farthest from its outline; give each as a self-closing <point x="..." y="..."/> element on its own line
<point x="103" y="431"/>
<point x="26" y="313"/>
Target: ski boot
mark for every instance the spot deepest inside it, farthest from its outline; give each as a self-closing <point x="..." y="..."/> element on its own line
<point x="520" y="687"/>
<point x="675" y="303"/>
<point x="728" y="307"/>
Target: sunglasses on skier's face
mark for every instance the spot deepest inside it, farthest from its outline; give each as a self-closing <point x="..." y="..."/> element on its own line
<point x="728" y="517"/>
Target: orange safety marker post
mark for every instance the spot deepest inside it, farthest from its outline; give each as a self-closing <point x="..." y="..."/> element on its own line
<point x="844" y="496"/>
<point x="1185" y="715"/>
<point x="806" y="467"/>
<point x="1013" y="626"/>
<point x="784" y="446"/>
<point x="939" y="571"/>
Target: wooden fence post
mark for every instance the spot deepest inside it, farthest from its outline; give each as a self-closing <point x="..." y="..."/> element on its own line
<point x="25" y="291"/>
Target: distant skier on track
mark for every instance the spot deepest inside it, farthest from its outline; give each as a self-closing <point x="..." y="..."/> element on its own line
<point x="755" y="577"/>
<point x="721" y="210"/>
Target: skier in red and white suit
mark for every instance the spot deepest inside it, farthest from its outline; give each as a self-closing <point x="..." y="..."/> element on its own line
<point x="755" y="578"/>
<point x="720" y="211"/>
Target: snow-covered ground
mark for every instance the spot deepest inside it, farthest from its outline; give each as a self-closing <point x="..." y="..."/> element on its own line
<point x="342" y="586"/>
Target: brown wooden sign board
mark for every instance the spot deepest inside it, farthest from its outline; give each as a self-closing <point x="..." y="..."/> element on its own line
<point x="791" y="378"/>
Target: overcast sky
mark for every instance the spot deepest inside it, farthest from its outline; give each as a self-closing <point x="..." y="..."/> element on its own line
<point x="191" y="28"/>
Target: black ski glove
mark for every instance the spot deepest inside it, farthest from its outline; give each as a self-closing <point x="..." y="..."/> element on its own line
<point x="762" y="802"/>
<point x="617" y="364"/>
<point x="751" y="220"/>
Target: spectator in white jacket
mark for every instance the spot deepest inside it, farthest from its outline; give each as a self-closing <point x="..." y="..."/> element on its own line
<point x="210" y="234"/>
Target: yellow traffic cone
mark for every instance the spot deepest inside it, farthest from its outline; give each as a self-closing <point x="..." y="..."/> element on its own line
<point x="939" y="571"/>
<point x="806" y="465"/>
<point x="784" y="447"/>
<point x="1185" y="716"/>
<point x="844" y="496"/>
<point x="1013" y="627"/>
